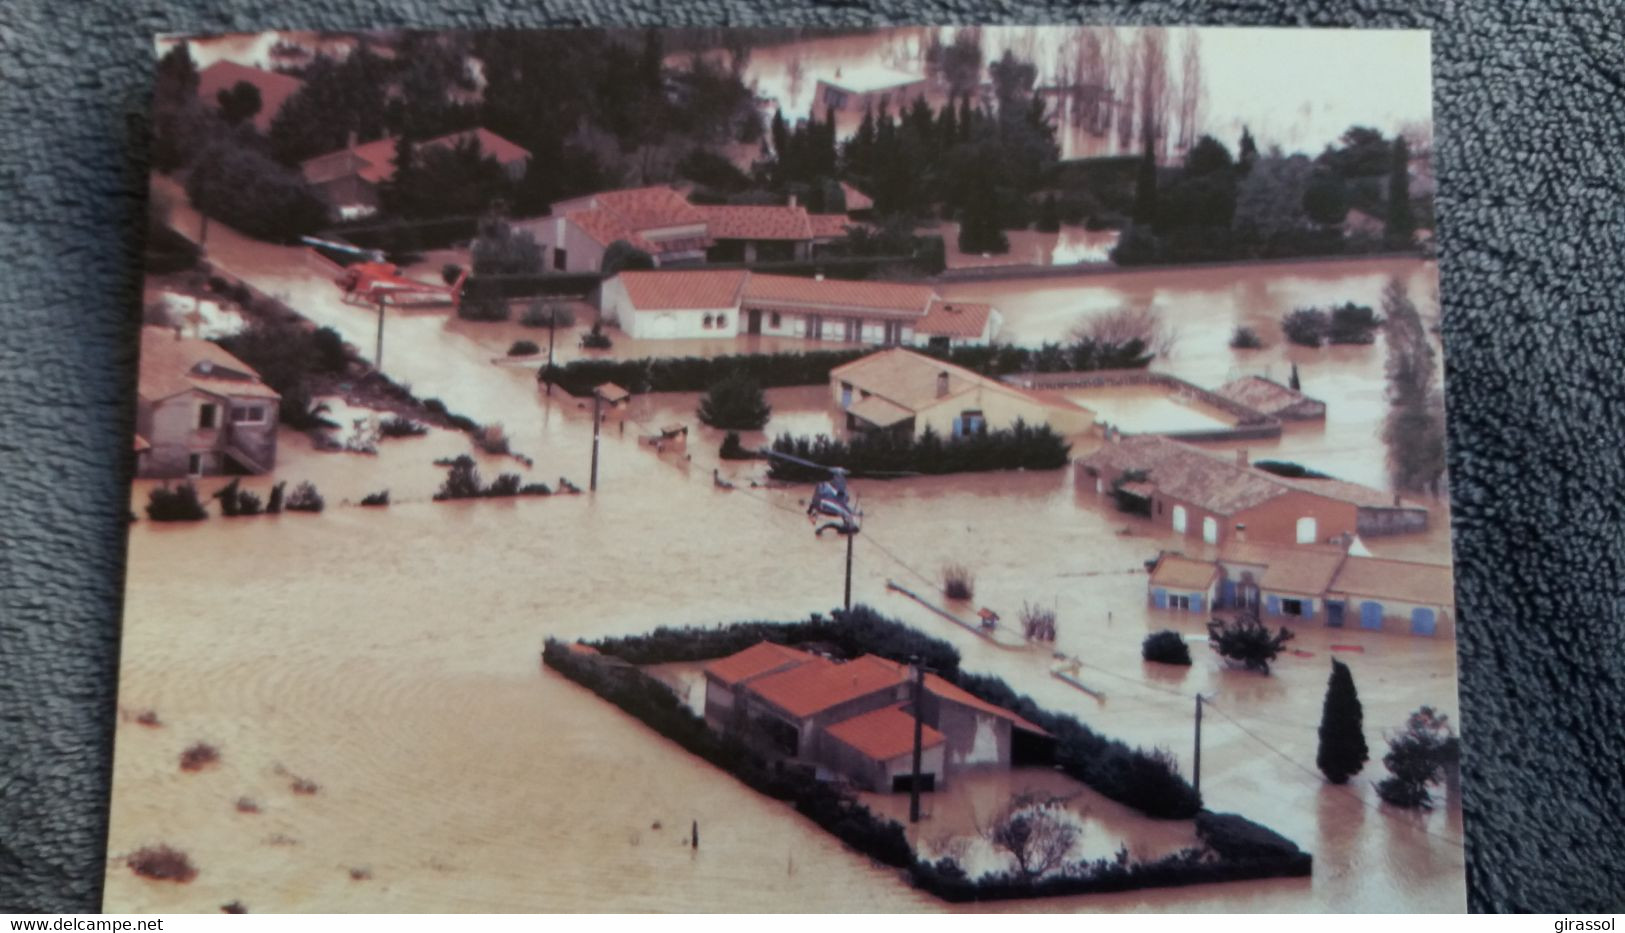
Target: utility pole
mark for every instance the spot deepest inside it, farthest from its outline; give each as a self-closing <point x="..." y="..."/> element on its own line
<point x="1197" y="769"/>
<point x="552" y="325"/>
<point x="597" y="403"/>
<point x="849" y="536"/>
<point x="378" y="353"/>
<point x="919" y="730"/>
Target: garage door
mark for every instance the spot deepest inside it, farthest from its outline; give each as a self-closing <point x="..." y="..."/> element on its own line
<point x="1422" y="621"/>
<point x="663" y="327"/>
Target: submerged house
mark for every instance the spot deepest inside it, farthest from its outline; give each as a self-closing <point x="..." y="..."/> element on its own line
<point x="855" y="720"/>
<point x="1271" y="398"/>
<point x="1225" y="498"/>
<point x="660" y="304"/>
<point x="1332" y="585"/>
<point x="349" y="179"/>
<point x="200" y="411"/>
<point x="906" y="393"/>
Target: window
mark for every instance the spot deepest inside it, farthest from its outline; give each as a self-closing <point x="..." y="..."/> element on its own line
<point x="706" y="323"/>
<point x="722" y="321"/>
<point x="773" y="320"/>
<point x="559" y="260"/>
<point x="194" y="465"/>
<point x="1179" y="518"/>
<point x="1307" y="532"/>
<point x="1179" y="601"/>
<point x="973" y="421"/>
<point x="1210" y="530"/>
<point x="206" y="415"/>
<point x="1292" y="607"/>
<point x="250" y="414"/>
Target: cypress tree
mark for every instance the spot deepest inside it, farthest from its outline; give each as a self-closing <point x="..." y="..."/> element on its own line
<point x="1294" y="383"/>
<point x="1343" y="751"/>
<point x="1401" y="226"/>
<point x="1145" y="188"/>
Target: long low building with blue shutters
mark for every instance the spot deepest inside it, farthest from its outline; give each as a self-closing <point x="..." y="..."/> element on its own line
<point x="1328" y="585"/>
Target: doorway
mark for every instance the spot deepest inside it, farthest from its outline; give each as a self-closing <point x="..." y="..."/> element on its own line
<point x="753" y="323"/>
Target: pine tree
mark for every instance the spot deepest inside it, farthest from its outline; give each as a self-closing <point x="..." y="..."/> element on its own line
<point x="1294" y="383"/>
<point x="1246" y="151"/>
<point x="1343" y="751"/>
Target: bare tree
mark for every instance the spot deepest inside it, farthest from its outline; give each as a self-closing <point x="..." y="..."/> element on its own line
<point x="1128" y="68"/>
<point x="1415" y="428"/>
<point x="1190" y="90"/>
<point x="1152" y="58"/>
<point x="1126" y="323"/>
<point x="1038" y="832"/>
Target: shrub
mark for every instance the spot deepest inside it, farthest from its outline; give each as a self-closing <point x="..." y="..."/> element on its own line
<point x="235" y="907"/>
<point x="958" y="582"/>
<point x="162" y="863"/>
<point x="596" y="339"/>
<point x="462" y="481"/>
<point x="732" y="449"/>
<point x="380" y="498"/>
<point x="548" y="314"/>
<point x="235" y="502"/>
<point x="1290" y="469"/>
<point x="305" y="498"/>
<point x="397" y="426"/>
<point x="1417" y="756"/>
<point x="535" y="489"/>
<point x="506" y="484"/>
<point x="1037" y="622"/>
<point x="1245" y="338"/>
<point x="1019" y="447"/>
<point x="1247" y="641"/>
<point x="274" y="505"/>
<point x="1352" y="323"/>
<point x="175" y="505"/>
<point x="1166" y="647"/>
<point x="450" y="272"/>
<point x="1236" y="837"/>
<point x="199" y="755"/>
<point x="1305" y="327"/>
<point x="621" y="255"/>
<point x="247" y="805"/>
<point x="523" y="348"/>
<point x="148" y="718"/>
<point x="492" y="439"/>
<point x="304" y="787"/>
<point x="736" y="403"/>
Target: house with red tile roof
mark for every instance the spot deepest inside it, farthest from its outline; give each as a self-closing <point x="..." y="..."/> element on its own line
<point x="1337" y="585"/>
<point x="686" y="303"/>
<point x="348" y="179"/>
<point x="1223" y="498"/>
<point x="855" y="719"/>
<point x="199" y="410"/>
<point x="907" y="393"/>
<point x="1265" y="395"/>
<point x="656" y="219"/>
<point x="275" y="88"/>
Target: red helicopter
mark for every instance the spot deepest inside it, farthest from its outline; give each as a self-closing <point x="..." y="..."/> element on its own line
<point x="375" y="280"/>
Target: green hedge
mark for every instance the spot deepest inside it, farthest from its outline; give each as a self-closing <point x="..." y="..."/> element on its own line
<point x="812" y="367"/>
<point x="1020" y="447"/>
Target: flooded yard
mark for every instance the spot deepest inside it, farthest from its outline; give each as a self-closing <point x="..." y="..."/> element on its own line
<point x="392" y="655"/>
<point x="1150" y="409"/>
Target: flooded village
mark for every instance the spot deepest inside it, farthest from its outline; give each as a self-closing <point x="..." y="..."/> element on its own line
<point x="747" y="334"/>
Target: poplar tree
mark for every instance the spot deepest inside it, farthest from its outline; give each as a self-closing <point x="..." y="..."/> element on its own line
<point x="1343" y="751"/>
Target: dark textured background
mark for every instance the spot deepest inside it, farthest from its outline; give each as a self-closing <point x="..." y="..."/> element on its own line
<point x="1531" y="153"/>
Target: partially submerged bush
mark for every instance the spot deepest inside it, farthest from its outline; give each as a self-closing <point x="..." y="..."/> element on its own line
<point x="1245" y="338"/>
<point x="1019" y="447"/>
<point x="247" y="805"/>
<point x="463" y="482"/>
<point x="377" y="499"/>
<point x="1417" y="756"/>
<point x="958" y="582"/>
<point x="1236" y="837"/>
<point x="236" y="502"/>
<point x="548" y="314"/>
<point x="523" y="348"/>
<point x="397" y="426"/>
<point x="1038" y="622"/>
<point x="1305" y="327"/>
<point x="492" y="439"/>
<point x="305" y="498"/>
<point x="1166" y="647"/>
<point x="732" y="449"/>
<point x="274" y="505"/>
<point x="596" y="339"/>
<point x="179" y="504"/>
<point x="1247" y="641"/>
<point x="736" y="403"/>
<point x="198" y="756"/>
<point x="1352" y="323"/>
<point x="162" y="863"/>
<point x="235" y="907"/>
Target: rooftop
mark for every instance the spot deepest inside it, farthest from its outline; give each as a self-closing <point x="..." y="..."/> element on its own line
<point x="1427" y="584"/>
<point x="1185" y="472"/>
<point x="1303" y="569"/>
<point x="375" y="161"/>
<point x="675" y="289"/>
<point x="1262" y="394"/>
<point x="171" y="365"/>
<point x="948" y="691"/>
<point x="955" y="319"/>
<point x="761" y="658"/>
<point x="1183" y="573"/>
<point x="839" y="294"/>
<point x="818" y="684"/>
<point x="907" y="379"/>
<point x="757" y="222"/>
<point x="884" y="734"/>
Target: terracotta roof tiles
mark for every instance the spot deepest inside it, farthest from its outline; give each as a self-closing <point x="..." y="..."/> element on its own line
<point x="679" y="289"/>
<point x="817" y="685"/>
<point x="761" y="658"/>
<point x="884" y="734"/>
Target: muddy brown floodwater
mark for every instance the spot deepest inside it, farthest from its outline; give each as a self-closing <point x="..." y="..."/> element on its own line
<point x="391" y="656"/>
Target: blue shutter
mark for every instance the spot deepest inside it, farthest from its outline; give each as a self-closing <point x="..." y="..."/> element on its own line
<point x="1227" y="594"/>
<point x="1308" y="609"/>
<point x="957" y="428"/>
<point x="1196" y="602"/>
<point x="1159" y="596"/>
<point x="1421" y="621"/>
<point x="1370" y="614"/>
<point x="1272" y="604"/>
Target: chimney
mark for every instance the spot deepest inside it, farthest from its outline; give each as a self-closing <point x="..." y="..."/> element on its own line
<point x="1241" y="531"/>
<point x="350" y="141"/>
<point x="818" y="277"/>
<point x="1241" y="457"/>
<point x="942" y="383"/>
<point x="792" y="200"/>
